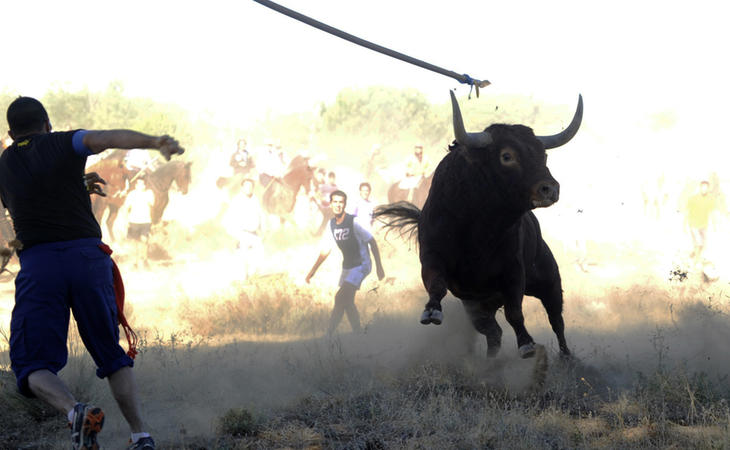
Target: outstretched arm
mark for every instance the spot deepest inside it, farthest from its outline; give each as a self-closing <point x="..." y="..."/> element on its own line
<point x="320" y="259"/>
<point x="376" y="256"/>
<point x="99" y="140"/>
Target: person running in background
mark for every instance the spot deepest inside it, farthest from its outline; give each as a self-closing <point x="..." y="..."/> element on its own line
<point x="243" y="221"/>
<point x="140" y="202"/>
<point x="699" y="211"/>
<point x="139" y="209"/>
<point x="326" y="189"/>
<point x="355" y="243"/>
<point x="363" y="210"/>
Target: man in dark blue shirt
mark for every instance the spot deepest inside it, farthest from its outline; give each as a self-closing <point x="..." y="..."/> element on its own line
<point x="63" y="266"/>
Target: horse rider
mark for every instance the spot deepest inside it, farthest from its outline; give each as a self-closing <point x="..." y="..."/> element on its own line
<point x="241" y="160"/>
<point x="417" y="168"/>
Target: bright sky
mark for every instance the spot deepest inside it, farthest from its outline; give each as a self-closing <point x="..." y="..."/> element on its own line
<point x="238" y="58"/>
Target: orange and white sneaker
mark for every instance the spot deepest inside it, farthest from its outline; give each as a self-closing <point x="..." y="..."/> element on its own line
<point x="86" y="424"/>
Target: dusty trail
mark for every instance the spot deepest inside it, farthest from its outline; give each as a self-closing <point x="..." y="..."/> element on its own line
<point x="204" y="350"/>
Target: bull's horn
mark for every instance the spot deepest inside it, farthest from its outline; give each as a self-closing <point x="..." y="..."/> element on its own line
<point x="468" y="140"/>
<point x="567" y="134"/>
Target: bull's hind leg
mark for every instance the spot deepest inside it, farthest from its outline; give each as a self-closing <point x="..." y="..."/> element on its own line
<point x="485" y="323"/>
<point x="435" y="284"/>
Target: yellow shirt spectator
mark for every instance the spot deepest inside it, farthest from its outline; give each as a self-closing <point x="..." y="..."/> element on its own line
<point x="699" y="208"/>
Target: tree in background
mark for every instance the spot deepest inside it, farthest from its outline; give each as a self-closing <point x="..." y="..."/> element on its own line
<point x="112" y="109"/>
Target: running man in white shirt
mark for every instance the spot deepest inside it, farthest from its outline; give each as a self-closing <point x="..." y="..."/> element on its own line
<point x="363" y="210"/>
<point x="243" y="221"/>
<point x="140" y="202"/>
<point x="353" y="241"/>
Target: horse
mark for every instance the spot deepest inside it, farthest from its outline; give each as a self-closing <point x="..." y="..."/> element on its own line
<point x="280" y="195"/>
<point x="420" y="192"/>
<point x="117" y="177"/>
<point x="160" y="181"/>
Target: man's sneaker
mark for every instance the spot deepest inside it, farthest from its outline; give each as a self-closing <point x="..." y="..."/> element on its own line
<point x="86" y="424"/>
<point x="145" y="443"/>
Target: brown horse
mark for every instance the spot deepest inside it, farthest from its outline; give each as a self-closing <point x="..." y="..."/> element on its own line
<point x="420" y="192"/>
<point x="160" y="181"/>
<point x="280" y="195"/>
<point x="117" y="177"/>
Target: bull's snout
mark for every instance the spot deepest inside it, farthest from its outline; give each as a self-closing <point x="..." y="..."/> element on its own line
<point x="545" y="193"/>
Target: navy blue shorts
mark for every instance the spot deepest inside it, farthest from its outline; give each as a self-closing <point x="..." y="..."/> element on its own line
<point x="54" y="279"/>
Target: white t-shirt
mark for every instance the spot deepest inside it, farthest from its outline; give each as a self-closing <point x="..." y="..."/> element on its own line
<point x="139" y="159"/>
<point x="363" y="212"/>
<point x="140" y="203"/>
<point x="243" y="216"/>
<point x="251" y="208"/>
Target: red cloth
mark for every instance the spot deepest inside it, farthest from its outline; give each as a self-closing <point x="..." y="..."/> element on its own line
<point x="119" y="294"/>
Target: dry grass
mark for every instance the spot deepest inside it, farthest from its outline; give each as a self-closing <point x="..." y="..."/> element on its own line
<point x="246" y="366"/>
<point x="402" y="385"/>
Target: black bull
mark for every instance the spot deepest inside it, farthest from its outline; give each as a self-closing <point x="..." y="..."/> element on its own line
<point x="477" y="234"/>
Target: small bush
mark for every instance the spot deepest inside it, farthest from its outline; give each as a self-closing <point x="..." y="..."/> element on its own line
<point x="238" y="422"/>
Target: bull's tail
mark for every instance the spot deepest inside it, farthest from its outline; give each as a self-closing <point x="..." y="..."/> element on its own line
<point x="400" y="216"/>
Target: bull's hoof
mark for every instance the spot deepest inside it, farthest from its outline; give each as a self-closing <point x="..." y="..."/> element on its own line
<point x="527" y="350"/>
<point x="433" y="316"/>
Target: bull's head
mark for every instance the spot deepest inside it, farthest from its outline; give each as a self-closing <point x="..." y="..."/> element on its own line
<point x="513" y="157"/>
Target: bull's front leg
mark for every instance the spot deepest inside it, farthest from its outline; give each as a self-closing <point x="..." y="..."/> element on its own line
<point x="513" y="314"/>
<point x="435" y="284"/>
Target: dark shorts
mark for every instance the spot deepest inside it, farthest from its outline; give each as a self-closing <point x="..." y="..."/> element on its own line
<point x="54" y="279"/>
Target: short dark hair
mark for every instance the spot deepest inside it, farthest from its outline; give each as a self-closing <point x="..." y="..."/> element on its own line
<point x="331" y="174"/>
<point x="338" y="193"/>
<point x="365" y="184"/>
<point x="26" y="115"/>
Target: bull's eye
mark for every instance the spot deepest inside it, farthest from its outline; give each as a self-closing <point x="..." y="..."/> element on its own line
<point x="507" y="157"/>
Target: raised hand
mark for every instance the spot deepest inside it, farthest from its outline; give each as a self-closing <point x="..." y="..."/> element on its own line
<point x="169" y="146"/>
<point x="93" y="183"/>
